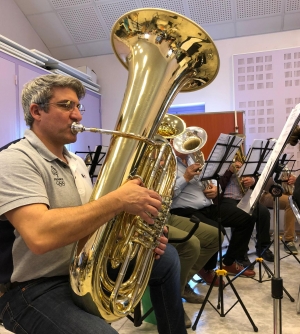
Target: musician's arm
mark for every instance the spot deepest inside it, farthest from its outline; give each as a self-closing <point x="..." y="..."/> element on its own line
<point x="224" y="179"/>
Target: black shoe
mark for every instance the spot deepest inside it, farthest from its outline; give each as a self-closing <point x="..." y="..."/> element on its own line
<point x="267" y="255"/>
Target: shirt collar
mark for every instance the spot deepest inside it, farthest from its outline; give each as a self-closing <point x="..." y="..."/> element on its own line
<point x="41" y="148"/>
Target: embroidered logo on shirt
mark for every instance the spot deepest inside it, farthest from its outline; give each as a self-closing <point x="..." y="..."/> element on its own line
<point x="59" y="180"/>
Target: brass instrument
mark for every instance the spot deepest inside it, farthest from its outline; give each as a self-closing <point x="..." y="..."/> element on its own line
<point x="240" y="157"/>
<point x="171" y="126"/>
<point x="288" y="189"/>
<point x="190" y="142"/>
<point x="110" y="270"/>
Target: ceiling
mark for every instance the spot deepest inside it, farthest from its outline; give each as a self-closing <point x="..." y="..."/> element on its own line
<point x="81" y="28"/>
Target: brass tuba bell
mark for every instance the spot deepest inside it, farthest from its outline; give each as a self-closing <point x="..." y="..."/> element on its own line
<point x="164" y="53"/>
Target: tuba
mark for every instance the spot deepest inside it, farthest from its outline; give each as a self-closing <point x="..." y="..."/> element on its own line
<point x="164" y="53"/>
<point x="190" y="142"/>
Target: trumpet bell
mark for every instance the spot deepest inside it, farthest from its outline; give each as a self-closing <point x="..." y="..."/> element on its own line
<point x="191" y="140"/>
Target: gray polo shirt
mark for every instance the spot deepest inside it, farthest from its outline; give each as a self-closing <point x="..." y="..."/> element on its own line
<point x="31" y="174"/>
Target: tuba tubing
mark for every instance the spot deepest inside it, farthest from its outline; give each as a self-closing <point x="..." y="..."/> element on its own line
<point x="164" y="53"/>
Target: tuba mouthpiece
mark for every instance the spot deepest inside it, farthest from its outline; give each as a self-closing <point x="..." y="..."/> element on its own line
<point x="76" y="127"/>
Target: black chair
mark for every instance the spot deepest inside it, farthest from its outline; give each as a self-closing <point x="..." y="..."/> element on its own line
<point x="7" y="238"/>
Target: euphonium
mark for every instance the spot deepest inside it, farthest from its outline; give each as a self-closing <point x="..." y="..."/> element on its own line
<point x="190" y="142"/>
<point x="165" y="53"/>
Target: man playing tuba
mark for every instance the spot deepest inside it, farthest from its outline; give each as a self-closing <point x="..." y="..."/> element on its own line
<point x="44" y="193"/>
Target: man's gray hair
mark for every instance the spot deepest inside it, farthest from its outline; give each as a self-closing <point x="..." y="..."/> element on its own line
<point x="40" y="91"/>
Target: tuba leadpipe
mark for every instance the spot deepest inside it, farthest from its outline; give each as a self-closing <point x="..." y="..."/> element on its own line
<point x="164" y="53"/>
<point x="77" y="127"/>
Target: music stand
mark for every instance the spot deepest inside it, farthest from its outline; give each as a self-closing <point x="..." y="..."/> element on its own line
<point x="291" y="162"/>
<point x="218" y="162"/>
<point x="248" y="204"/>
<point x="93" y="159"/>
<point x="256" y="160"/>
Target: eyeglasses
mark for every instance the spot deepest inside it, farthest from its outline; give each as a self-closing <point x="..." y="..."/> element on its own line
<point x="67" y="106"/>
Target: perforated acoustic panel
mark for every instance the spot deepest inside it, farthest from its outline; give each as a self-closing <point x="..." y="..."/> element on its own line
<point x="255" y="8"/>
<point x="57" y="4"/>
<point x="90" y="27"/>
<point x="267" y="88"/>
<point x="211" y="11"/>
<point x="292" y="5"/>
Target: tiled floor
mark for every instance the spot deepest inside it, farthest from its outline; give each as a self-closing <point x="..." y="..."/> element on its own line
<point x="256" y="297"/>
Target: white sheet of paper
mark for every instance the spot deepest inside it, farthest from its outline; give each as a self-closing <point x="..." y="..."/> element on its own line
<point x="217" y="154"/>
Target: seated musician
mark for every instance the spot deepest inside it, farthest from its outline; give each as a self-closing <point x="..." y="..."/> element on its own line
<point x="44" y="195"/>
<point x="284" y="204"/>
<point x="234" y="189"/>
<point x="191" y="198"/>
<point x="193" y="253"/>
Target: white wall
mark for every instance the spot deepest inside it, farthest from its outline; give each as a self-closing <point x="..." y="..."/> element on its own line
<point x="218" y="96"/>
<point x="14" y="26"/>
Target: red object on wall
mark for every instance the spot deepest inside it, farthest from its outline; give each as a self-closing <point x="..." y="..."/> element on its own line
<point x="215" y="123"/>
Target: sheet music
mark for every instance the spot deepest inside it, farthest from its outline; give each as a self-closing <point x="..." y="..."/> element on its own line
<point x="255" y="155"/>
<point x="217" y="156"/>
<point x="248" y="204"/>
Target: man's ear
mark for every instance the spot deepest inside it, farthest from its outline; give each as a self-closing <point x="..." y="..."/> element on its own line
<point x="35" y="111"/>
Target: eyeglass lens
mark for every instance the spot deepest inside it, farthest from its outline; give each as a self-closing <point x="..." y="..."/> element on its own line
<point x="70" y="105"/>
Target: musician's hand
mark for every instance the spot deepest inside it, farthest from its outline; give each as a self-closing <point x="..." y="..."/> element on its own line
<point x="292" y="179"/>
<point x="248" y="181"/>
<point x="235" y="166"/>
<point x="139" y="200"/>
<point x="160" y="249"/>
<point x="211" y="192"/>
<point x="191" y="171"/>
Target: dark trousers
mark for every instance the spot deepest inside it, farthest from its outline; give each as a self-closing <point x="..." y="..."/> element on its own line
<point x="45" y="306"/>
<point x="262" y="217"/>
<point x="230" y="216"/>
